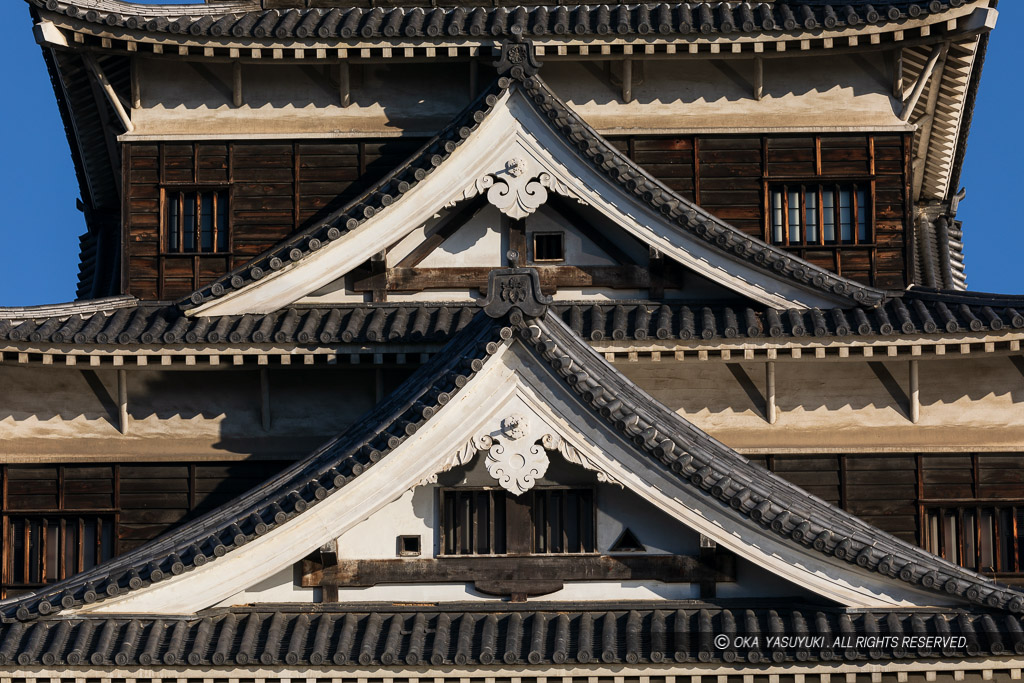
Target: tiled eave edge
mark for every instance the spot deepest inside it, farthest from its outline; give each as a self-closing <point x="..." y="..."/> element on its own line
<point x="905" y="31"/>
<point x="185" y="356"/>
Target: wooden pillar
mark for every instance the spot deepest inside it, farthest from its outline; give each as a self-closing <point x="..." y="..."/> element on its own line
<point x="344" y="85"/>
<point x="627" y="80"/>
<point x="236" y="84"/>
<point x="758" y="78"/>
<point x="915" y="393"/>
<point x="122" y="401"/>
<point x="769" y="392"/>
<point x="265" y="398"/>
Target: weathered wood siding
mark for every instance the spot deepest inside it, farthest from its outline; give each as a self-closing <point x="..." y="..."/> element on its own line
<point x="276" y="189"/>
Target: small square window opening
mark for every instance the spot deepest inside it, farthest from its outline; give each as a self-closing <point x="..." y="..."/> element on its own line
<point x="408" y="546"/>
<point x="548" y="246"/>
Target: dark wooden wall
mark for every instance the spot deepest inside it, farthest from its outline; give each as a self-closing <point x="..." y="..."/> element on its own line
<point x="142" y="500"/>
<point x="730" y="176"/>
<point x="276" y="189"/>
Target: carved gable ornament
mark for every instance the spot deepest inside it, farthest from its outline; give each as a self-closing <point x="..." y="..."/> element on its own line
<point x="516" y="459"/>
<point x="518" y="188"/>
<point x="515" y="288"/>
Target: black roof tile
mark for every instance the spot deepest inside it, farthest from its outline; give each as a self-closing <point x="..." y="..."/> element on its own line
<point x="418" y="20"/>
<point x="918" y="312"/>
<point x="466" y="635"/>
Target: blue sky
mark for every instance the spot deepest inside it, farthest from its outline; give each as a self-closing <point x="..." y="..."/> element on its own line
<point x="40" y="225"/>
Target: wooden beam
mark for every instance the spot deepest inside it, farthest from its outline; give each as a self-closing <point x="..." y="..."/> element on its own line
<point x="535" y="575"/>
<point x="108" y="90"/>
<point x="911" y="102"/>
<point x="551" y="277"/>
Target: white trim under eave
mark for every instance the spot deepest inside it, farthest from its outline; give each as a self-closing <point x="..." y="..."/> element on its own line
<point x="511" y="378"/>
<point x="514" y="130"/>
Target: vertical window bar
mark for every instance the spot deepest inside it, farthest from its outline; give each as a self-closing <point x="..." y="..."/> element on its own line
<point x="188" y="222"/>
<point x="778" y="222"/>
<point x="862" y="217"/>
<point x="811" y="214"/>
<point x="794" y="216"/>
<point x="828" y="224"/>
<point x="206" y="219"/>
<point x="846" y="214"/>
<point x="173" y="200"/>
<point x="222" y="221"/>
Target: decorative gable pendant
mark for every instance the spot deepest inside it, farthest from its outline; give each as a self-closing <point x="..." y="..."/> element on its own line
<point x="518" y="189"/>
<point x="517" y="460"/>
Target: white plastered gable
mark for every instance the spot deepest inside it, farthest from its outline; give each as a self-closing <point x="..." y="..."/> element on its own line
<point x="514" y="383"/>
<point x="517" y="160"/>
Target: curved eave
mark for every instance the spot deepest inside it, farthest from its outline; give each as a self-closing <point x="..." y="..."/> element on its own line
<point x="767" y="28"/>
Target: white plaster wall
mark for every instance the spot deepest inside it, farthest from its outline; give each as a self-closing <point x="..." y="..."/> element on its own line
<point x="278" y="588"/>
<point x="580" y="250"/>
<point x="829" y="91"/>
<point x="413" y="514"/>
<point x="478" y="243"/>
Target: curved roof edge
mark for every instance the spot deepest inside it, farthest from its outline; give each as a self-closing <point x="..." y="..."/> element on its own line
<point x="247" y="19"/>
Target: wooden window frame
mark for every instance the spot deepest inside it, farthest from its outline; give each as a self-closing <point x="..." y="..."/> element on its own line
<point x="180" y="190"/>
<point x="547" y="233"/>
<point x="443" y="522"/>
<point x="820" y="185"/>
<point x="973" y="509"/>
<point x="62" y="514"/>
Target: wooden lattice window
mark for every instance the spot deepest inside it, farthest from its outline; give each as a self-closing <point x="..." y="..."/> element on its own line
<point x="46" y="548"/>
<point x="542" y="521"/>
<point x="978" y="535"/>
<point x="819" y="214"/>
<point x="196" y="221"/>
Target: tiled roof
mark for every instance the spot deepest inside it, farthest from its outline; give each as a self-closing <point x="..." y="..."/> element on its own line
<point x="727" y="478"/>
<point x="463" y="635"/>
<point x="125" y="324"/>
<point x="424" y="20"/>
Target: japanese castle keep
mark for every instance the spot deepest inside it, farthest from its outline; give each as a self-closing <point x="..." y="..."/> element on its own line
<point x="485" y="342"/>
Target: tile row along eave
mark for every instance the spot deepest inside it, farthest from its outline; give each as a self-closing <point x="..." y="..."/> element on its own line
<point x="645" y="634"/>
<point x="156" y="326"/>
<point x="730" y="20"/>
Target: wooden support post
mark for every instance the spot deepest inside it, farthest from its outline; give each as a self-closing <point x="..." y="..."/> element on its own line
<point x="708" y="553"/>
<point x="122" y="401"/>
<point x="108" y="90"/>
<point x="136" y="85"/>
<point x="236" y="84"/>
<point x="897" y="74"/>
<point x="758" y="79"/>
<point x="769" y="392"/>
<point x="627" y="80"/>
<point x="915" y="393"/>
<point x="265" y="399"/>
<point x="379" y="276"/>
<point x="344" y="85"/>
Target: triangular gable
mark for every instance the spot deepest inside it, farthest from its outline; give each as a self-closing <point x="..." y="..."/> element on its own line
<point x="577" y="404"/>
<point x="517" y="145"/>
